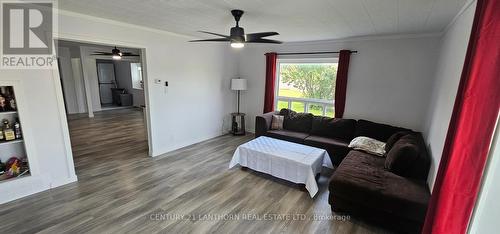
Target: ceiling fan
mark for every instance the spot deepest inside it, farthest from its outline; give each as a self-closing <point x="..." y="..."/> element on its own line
<point x="238" y="38"/>
<point x="116" y="54"/>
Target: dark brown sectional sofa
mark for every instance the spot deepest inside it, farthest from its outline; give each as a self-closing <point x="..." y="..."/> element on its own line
<point x="391" y="192"/>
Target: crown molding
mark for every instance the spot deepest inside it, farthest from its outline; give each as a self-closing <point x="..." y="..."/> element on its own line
<point x="367" y="38"/>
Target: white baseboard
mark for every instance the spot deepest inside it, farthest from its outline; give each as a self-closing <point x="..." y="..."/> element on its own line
<point x="182" y="145"/>
<point x="23" y="187"/>
<point x="63" y="181"/>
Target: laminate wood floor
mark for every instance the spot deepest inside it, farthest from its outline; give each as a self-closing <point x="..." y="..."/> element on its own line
<point x="191" y="190"/>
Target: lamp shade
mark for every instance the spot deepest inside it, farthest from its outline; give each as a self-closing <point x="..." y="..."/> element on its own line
<point x="238" y="84"/>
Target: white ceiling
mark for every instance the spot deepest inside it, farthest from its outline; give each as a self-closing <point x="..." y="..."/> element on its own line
<point x="295" y="20"/>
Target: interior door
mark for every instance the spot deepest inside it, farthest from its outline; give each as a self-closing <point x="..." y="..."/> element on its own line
<point x="106" y="74"/>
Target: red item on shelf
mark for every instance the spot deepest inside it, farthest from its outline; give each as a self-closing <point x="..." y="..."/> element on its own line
<point x="12" y="166"/>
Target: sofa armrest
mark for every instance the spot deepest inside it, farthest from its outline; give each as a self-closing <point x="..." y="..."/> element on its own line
<point x="263" y="123"/>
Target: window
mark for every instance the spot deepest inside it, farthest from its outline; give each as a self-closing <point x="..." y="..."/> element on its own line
<point x="306" y="85"/>
<point x="136" y="71"/>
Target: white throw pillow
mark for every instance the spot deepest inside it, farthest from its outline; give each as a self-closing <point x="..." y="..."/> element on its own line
<point x="368" y="145"/>
<point x="277" y="122"/>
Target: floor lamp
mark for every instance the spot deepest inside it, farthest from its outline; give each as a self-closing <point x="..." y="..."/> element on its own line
<point x="238" y="85"/>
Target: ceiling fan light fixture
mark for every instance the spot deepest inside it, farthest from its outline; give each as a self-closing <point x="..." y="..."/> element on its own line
<point x="115" y="54"/>
<point x="237" y="36"/>
<point x="237" y="44"/>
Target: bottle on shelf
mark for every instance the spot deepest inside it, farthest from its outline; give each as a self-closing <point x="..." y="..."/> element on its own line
<point x="7" y="100"/>
<point x="17" y="129"/>
<point x="2" y="167"/>
<point x="11" y="101"/>
<point x="8" y="132"/>
<point x="3" y="103"/>
<point x="2" y="138"/>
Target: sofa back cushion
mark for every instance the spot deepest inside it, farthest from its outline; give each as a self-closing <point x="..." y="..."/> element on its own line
<point x="408" y="157"/>
<point x="299" y="122"/>
<point x="402" y="156"/>
<point x="378" y="131"/>
<point x="393" y="139"/>
<point x="342" y="129"/>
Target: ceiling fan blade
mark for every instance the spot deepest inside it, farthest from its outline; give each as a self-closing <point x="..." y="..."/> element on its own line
<point x="215" y="39"/>
<point x="261" y="40"/>
<point x="215" y="34"/>
<point x="253" y="36"/>
<point x="101" y="53"/>
<point x="129" y="54"/>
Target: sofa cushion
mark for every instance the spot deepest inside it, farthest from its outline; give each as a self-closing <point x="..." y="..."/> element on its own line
<point x="333" y="127"/>
<point x="393" y="139"/>
<point x="378" y="131"/>
<point x="287" y="135"/>
<point x="263" y="123"/>
<point x="299" y="122"/>
<point x="337" y="149"/>
<point x="285" y="111"/>
<point x="362" y="179"/>
<point x="277" y="122"/>
<point x="327" y="142"/>
<point x="368" y="145"/>
<point x="419" y="168"/>
<point x="402" y="157"/>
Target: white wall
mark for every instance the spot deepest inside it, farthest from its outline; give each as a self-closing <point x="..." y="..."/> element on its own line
<point x="446" y="78"/>
<point x="71" y="76"/>
<point x="487" y="210"/>
<point x="68" y="82"/>
<point x="90" y="76"/>
<point x="198" y="98"/>
<point x="389" y="79"/>
<point x="76" y="66"/>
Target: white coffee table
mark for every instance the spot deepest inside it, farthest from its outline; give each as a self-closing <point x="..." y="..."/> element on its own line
<point x="282" y="159"/>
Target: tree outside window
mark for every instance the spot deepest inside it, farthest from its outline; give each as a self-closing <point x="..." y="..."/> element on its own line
<point x="307" y="87"/>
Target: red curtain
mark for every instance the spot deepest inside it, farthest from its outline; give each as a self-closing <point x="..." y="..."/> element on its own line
<point x="270" y="81"/>
<point x="341" y="83"/>
<point x="471" y="127"/>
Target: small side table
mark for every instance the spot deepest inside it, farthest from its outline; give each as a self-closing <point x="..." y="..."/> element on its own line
<point x="238" y="129"/>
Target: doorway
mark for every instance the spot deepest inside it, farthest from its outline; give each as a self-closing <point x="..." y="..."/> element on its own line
<point x="105" y="104"/>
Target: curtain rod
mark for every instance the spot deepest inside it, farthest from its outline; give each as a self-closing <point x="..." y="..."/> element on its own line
<point x="323" y="52"/>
